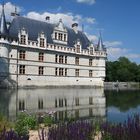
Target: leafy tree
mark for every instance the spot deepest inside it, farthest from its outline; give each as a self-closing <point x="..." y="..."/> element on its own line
<point x="122" y="70"/>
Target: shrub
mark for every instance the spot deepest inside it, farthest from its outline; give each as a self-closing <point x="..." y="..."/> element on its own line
<point x="48" y="120"/>
<point x="24" y="123"/>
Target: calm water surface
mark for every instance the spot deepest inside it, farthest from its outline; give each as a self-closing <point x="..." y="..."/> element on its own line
<point x="62" y="103"/>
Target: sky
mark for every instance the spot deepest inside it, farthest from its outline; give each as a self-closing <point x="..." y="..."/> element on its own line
<point x="118" y="20"/>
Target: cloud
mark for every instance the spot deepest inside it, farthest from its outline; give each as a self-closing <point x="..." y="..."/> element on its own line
<point x="112" y="43"/>
<point x="90" y="20"/>
<point x="133" y="55"/>
<point x="9" y="8"/>
<point x="92" y="38"/>
<point x="68" y="18"/>
<point x="116" y="52"/>
<point x="90" y="2"/>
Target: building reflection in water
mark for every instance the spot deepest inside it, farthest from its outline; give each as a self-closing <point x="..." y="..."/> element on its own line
<point x="64" y="103"/>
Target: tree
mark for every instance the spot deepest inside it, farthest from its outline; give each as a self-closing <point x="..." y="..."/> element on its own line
<point x="122" y="70"/>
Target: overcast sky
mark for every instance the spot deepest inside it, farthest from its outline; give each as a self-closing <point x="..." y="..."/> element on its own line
<point x="119" y="20"/>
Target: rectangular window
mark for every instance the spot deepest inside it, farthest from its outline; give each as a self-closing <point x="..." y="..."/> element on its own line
<point x="77" y="72"/>
<point x="41" y="70"/>
<point x="65" y="72"/>
<point x="56" y="58"/>
<point x="61" y="71"/>
<point x="91" y="51"/>
<point x="90" y="62"/>
<point x="65" y="59"/>
<point x="64" y="37"/>
<point x="22" y="54"/>
<point x="61" y="37"/>
<point x="23" y="39"/>
<point x="61" y="59"/>
<point x="42" y="42"/>
<point x="41" y="57"/>
<point x="76" y="60"/>
<point x="55" y="35"/>
<point x="78" y="49"/>
<point x="56" y="71"/>
<point x="22" y="69"/>
<point x="40" y="104"/>
<point x="90" y="73"/>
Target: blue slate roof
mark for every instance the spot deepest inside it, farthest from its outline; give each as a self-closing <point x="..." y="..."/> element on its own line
<point x="3" y="27"/>
<point x="34" y="27"/>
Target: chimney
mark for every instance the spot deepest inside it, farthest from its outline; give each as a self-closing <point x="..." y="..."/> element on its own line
<point x="48" y="19"/>
<point x="75" y="27"/>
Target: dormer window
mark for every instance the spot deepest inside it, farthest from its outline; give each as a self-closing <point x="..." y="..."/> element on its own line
<point x="60" y="33"/>
<point x="91" y="49"/>
<point x="78" y="46"/>
<point x="42" y="42"/>
<point x="78" y="49"/>
<point x="23" y="39"/>
<point x="23" y="36"/>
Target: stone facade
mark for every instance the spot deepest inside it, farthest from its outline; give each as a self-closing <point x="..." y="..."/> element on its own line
<point x="36" y="53"/>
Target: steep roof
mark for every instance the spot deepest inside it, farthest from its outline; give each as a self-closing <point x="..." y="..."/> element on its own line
<point x="34" y="27"/>
<point x="3" y="26"/>
<point x="100" y="45"/>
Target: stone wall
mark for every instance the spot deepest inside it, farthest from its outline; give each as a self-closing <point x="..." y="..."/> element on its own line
<point x="122" y="85"/>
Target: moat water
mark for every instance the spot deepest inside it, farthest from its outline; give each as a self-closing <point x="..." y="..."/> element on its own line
<point x="62" y="103"/>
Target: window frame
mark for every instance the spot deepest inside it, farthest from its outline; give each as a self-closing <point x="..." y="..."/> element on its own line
<point x="41" y="57"/>
<point x="22" y="69"/>
<point x="40" y="70"/>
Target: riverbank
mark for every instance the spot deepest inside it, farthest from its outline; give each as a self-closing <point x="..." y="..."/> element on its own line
<point x="122" y="85"/>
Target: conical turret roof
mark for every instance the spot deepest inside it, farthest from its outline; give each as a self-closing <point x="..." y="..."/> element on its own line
<point x="3" y="26"/>
<point x="100" y="46"/>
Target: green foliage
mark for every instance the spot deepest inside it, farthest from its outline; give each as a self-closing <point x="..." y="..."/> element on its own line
<point x="122" y="70"/>
<point x="48" y="120"/>
<point x="24" y="123"/>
